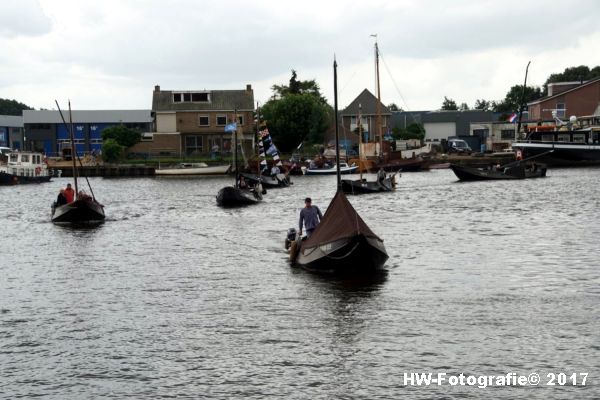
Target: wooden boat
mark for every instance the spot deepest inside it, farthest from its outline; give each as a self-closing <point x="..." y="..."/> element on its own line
<point x="239" y="195"/>
<point x="268" y="182"/>
<point x="439" y="166"/>
<point x="342" y="243"/>
<point x="85" y="208"/>
<point x="363" y="186"/>
<point x="404" y="165"/>
<point x="194" y="169"/>
<point x="344" y="169"/>
<point x="516" y="171"/>
<point x="24" y="167"/>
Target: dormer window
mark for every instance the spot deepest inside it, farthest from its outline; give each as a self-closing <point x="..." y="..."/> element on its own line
<point x="191" y="97"/>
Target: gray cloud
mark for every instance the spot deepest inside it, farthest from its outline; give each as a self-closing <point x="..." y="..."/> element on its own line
<point x="23" y="18"/>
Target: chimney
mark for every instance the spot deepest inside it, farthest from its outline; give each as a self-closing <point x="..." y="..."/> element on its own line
<point x="248" y="88"/>
<point x="157" y="88"/>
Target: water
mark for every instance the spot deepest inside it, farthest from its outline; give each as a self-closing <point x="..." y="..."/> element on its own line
<point x="175" y="297"/>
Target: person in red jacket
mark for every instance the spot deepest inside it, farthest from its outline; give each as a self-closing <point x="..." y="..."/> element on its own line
<point x="69" y="193"/>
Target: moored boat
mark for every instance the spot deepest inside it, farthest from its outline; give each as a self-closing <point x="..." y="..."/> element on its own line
<point x="518" y="170"/>
<point x="194" y="169"/>
<point x="231" y="196"/>
<point x="24" y="167"/>
<point x="344" y="169"/>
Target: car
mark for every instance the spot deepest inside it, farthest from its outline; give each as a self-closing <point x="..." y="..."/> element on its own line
<point x="458" y="146"/>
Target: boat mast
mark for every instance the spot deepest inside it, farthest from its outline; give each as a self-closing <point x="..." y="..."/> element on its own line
<point x="521" y="106"/>
<point x="337" y="136"/>
<point x="73" y="150"/>
<point x="235" y="153"/>
<point x="258" y="138"/>
<point x="379" y="125"/>
<point x="360" y="153"/>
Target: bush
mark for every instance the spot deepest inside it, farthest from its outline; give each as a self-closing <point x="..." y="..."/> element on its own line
<point x="124" y="136"/>
<point x="112" y="151"/>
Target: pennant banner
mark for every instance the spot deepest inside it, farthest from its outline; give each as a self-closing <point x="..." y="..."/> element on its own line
<point x="265" y="142"/>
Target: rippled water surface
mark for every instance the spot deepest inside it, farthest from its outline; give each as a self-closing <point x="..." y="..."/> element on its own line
<point x="175" y="297"/>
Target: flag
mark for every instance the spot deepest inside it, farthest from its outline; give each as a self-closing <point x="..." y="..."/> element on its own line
<point x="265" y="141"/>
<point x="513" y="117"/>
<point x="231" y="127"/>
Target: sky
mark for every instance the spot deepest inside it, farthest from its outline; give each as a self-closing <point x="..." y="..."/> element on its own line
<point x="110" y="54"/>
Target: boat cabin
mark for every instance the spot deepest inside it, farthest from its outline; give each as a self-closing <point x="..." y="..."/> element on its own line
<point x="25" y="164"/>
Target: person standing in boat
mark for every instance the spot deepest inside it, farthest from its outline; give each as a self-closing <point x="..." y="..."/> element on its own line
<point x="380" y="175"/>
<point x="69" y="193"/>
<point x="310" y="216"/>
<point x="275" y="170"/>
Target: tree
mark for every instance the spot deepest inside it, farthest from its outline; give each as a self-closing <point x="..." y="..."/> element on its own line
<point x="572" y="74"/>
<point x="112" y="151"/>
<point x="296" y="118"/>
<point x="297" y="87"/>
<point x="483" y="105"/>
<point x="449" y="104"/>
<point x="12" y="107"/>
<point x="394" y="107"/>
<point x="512" y="101"/>
<point x="124" y="136"/>
<point x="463" y="107"/>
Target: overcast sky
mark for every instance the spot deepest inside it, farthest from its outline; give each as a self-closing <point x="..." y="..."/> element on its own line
<point x="109" y="54"/>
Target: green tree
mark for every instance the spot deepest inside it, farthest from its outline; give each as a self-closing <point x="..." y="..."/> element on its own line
<point x="512" y="101"/>
<point x="483" y="105"/>
<point x="572" y="74"/>
<point x="298" y="87"/>
<point x="112" y="151"/>
<point x="449" y="104"/>
<point x="394" y="107"/>
<point x="464" y="106"/>
<point x="412" y="131"/>
<point x="124" y="136"/>
<point x="296" y="118"/>
<point x="12" y="107"/>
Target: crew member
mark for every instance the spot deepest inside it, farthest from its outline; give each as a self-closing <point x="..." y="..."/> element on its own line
<point x="69" y="193"/>
<point x="310" y="216"/>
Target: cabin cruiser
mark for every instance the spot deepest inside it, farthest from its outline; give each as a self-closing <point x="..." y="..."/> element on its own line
<point x="24" y="167"/>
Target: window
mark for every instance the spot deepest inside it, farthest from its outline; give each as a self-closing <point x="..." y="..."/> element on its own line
<point x="221" y="120"/>
<point x="579" y="137"/>
<point x="240" y="119"/>
<point x="147" y="137"/>
<point x="507" y="134"/>
<point x="193" y="145"/>
<point x="564" y="137"/>
<point x="203" y="120"/>
<point x="560" y="110"/>
<point x="547" y="138"/>
<point x="24" y="158"/>
<point x="191" y="97"/>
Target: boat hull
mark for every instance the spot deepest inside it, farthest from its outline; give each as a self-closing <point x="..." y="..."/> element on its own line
<point x="216" y="170"/>
<point x="78" y="212"/>
<point x="230" y="196"/>
<point x="563" y="154"/>
<point x="331" y="171"/>
<point x="355" y="255"/>
<point x="10" y="179"/>
<point x="364" y="187"/>
<point x="268" y="182"/>
<point x="511" y="173"/>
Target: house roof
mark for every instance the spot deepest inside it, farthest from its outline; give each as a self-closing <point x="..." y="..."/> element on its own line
<point x="87" y="116"/>
<point x="220" y="100"/>
<point x="368" y="103"/>
<point x="585" y="84"/>
<point x="11" y="121"/>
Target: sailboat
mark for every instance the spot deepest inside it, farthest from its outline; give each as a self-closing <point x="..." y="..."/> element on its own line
<point x="84" y="208"/>
<point x="342" y="242"/>
<point x="242" y="193"/>
<point x="384" y="183"/>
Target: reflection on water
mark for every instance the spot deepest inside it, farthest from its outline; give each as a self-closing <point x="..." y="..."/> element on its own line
<point x="174" y="296"/>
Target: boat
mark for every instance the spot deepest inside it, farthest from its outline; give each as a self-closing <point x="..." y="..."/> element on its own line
<point x="574" y="143"/>
<point x="516" y="170"/>
<point x="439" y="166"/>
<point x="241" y="193"/>
<point x="332" y="170"/>
<point x="342" y="243"/>
<point x="383" y="182"/>
<point x="24" y="167"/>
<point x="194" y="169"/>
<point x="84" y="208"/>
<point x="268" y="182"/>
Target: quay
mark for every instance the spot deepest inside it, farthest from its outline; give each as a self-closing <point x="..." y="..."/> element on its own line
<point x="64" y="169"/>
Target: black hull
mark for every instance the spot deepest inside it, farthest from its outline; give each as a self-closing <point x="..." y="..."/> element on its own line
<point x="365" y="187"/>
<point x="78" y="212"/>
<point x="511" y="173"/>
<point x="407" y="165"/>
<point x="234" y="197"/>
<point x="355" y="255"/>
<point x="10" y="179"/>
<point x="563" y="154"/>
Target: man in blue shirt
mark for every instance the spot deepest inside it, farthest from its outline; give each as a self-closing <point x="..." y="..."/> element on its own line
<point x="310" y="216"/>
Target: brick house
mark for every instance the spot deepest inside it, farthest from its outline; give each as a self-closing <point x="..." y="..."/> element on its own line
<point x="567" y="98"/>
<point x="192" y="122"/>
<point x="368" y="112"/>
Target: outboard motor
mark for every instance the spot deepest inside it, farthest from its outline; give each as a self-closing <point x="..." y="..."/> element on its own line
<point x="292" y="233"/>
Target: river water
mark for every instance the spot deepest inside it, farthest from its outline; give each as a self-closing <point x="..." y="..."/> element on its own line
<point x="175" y="297"/>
